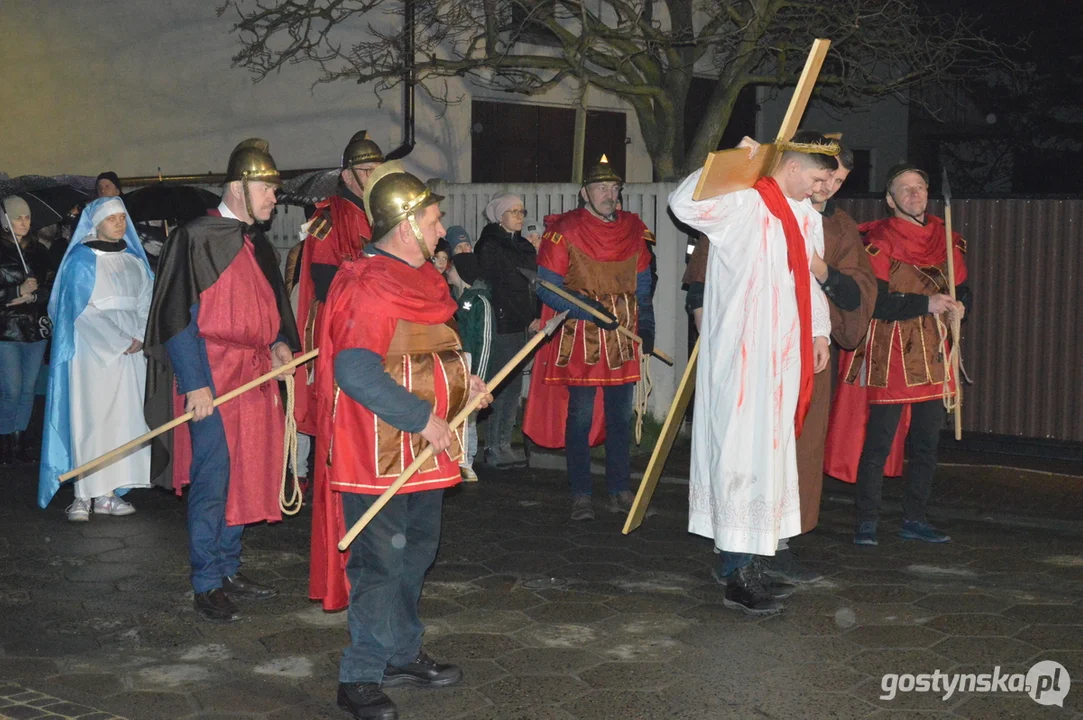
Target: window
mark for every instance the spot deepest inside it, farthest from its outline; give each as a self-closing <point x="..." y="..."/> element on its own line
<point x="533" y="143"/>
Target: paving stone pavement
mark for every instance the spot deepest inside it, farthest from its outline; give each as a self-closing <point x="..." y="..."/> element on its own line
<point x="550" y="620"/>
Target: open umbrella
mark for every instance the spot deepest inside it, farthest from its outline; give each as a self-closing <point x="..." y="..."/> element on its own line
<point x="309" y="188"/>
<point x="176" y="203"/>
<point x="50" y="201"/>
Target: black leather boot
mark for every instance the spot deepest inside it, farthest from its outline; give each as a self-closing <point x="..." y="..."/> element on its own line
<point x="746" y="591"/>
<point x="366" y="702"/>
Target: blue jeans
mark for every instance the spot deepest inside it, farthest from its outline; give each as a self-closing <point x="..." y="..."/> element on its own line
<point x="386" y="570"/>
<point x="214" y="548"/>
<point x="732" y="562"/>
<point x="20" y="363"/>
<point x="618" y="436"/>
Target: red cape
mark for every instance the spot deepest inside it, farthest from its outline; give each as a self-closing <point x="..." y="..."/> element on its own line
<point x="545" y="416"/>
<point x="350" y="232"/>
<point x="920" y="245"/>
<point x="392" y="289"/>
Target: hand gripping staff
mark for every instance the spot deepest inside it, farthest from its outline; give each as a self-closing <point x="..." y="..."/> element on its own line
<point x="421" y="459"/>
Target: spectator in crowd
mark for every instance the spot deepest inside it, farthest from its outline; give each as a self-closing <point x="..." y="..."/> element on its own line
<point x="442" y="256"/>
<point x="476" y="320"/>
<point x="458" y="239"/>
<point x="502" y="251"/>
<point x="24" y="326"/>
<point x="533" y="233"/>
<point x="108" y="185"/>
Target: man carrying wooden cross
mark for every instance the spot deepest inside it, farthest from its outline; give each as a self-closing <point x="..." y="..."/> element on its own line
<point x="847" y="280"/>
<point x="394" y="372"/>
<point x="765" y="330"/>
<point x="903" y="362"/>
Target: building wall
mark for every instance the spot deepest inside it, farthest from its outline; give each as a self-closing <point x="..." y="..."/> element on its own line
<point x="139" y="85"/>
<point x="880" y="127"/>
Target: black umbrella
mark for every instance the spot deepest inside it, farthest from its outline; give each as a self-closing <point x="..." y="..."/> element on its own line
<point x="309" y="188"/>
<point x="176" y="203"/>
<point x="50" y="201"/>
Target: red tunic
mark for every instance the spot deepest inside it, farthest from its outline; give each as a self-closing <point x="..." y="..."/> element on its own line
<point x="618" y="247"/>
<point x="348" y="443"/>
<point x="349" y="233"/>
<point x="239" y="321"/>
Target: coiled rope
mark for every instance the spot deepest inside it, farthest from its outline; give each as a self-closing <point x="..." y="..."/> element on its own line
<point x="642" y="393"/>
<point x="293" y="504"/>
<point x="954" y="331"/>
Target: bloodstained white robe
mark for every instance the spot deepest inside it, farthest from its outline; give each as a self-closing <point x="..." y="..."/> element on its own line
<point x="106" y="386"/>
<point x="743" y="489"/>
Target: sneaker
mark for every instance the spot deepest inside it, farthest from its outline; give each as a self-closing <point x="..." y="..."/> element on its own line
<point x="784" y="566"/>
<point x="582" y="509"/>
<point x="917" y="530"/>
<point x="499" y="459"/>
<point x="467" y="473"/>
<point x="516" y="457"/>
<point x="112" y="505"/>
<point x="777" y="590"/>
<point x="621" y="502"/>
<point x="745" y="591"/>
<point x="865" y="533"/>
<point x="79" y="511"/>
<point x="423" y="672"/>
<point x="366" y="701"/>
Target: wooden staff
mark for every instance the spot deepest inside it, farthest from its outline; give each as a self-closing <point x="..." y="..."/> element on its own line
<point x="533" y="277"/>
<point x="458" y="420"/>
<point x="958" y="411"/>
<point x="104" y="459"/>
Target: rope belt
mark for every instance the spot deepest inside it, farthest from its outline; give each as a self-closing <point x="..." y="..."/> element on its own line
<point x="955" y="354"/>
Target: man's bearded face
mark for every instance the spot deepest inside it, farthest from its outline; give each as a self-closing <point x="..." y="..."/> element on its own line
<point x="602" y="196"/>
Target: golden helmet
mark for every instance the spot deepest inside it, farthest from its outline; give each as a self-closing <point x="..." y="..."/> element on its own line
<point x="361" y="149"/>
<point x="601" y="171"/>
<point x="251" y="160"/>
<point x="393" y="195"/>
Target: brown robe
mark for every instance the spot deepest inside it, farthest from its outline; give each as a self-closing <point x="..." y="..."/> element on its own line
<point x="843" y="251"/>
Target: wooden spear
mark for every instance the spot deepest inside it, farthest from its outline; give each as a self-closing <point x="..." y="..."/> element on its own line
<point x="958" y="412"/>
<point x="458" y="420"/>
<point x="533" y="277"/>
<point x="123" y="449"/>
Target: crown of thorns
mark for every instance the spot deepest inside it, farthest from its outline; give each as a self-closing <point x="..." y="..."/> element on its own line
<point x="831" y="148"/>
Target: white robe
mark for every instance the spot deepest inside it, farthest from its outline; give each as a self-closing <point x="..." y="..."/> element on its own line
<point x="743" y="486"/>
<point x="106" y="386"/>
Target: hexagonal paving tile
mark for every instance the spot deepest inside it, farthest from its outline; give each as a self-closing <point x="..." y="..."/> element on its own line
<point x="479" y="646"/>
<point x="881" y="593"/>
<point x="538" y="690"/>
<point x="639" y="649"/>
<point x="569" y="612"/>
<point x="560" y="635"/>
<point x="649" y="602"/>
<point x="894" y="636"/>
<point x="1053" y="637"/>
<point x="963" y="603"/>
<point x="606" y="704"/>
<point x="987" y="651"/>
<point x="547" y="661"/>
<point x="631" y="675"/>
<point x="484" y="621"/>
<point x="1047" y="614"/>
<point x="518" y="599"/>
<point x="303" y="641"/>
<point x="975" y="625"/>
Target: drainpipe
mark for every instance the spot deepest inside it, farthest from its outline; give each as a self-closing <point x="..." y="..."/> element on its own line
<point x="409" y="78"/>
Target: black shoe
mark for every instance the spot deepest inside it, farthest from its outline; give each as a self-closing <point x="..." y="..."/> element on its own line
<point x="214" y="606"/>
<point x="745" y="591"/>
<point x="423" y="671"/>
<point x="776" y="589"/>
<point x="784" y="566"/>
<point x="242" y="587"/>
<point x="366" y="701"/>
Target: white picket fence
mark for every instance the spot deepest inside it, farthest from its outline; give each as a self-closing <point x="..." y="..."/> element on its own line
<point x="465" y="206"/>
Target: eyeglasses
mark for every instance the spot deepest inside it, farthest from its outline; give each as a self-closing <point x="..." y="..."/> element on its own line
<point x="517" y="213"/>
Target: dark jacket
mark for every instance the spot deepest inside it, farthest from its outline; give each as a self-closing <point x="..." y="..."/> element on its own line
<point x="501" y="254"/>
<point x="27" y="322"/>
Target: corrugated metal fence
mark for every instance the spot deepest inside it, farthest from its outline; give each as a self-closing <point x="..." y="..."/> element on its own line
<point x="1022" y="343"/>
<point x="1022" y="346"/>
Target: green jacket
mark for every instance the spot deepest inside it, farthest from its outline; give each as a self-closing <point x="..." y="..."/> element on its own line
<point x="476" y="326"/>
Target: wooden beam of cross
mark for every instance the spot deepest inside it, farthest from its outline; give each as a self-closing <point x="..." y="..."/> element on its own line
<point x="724" y="172"/>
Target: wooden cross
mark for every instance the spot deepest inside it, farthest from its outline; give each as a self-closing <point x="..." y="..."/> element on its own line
<point x="724" y="172"/>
